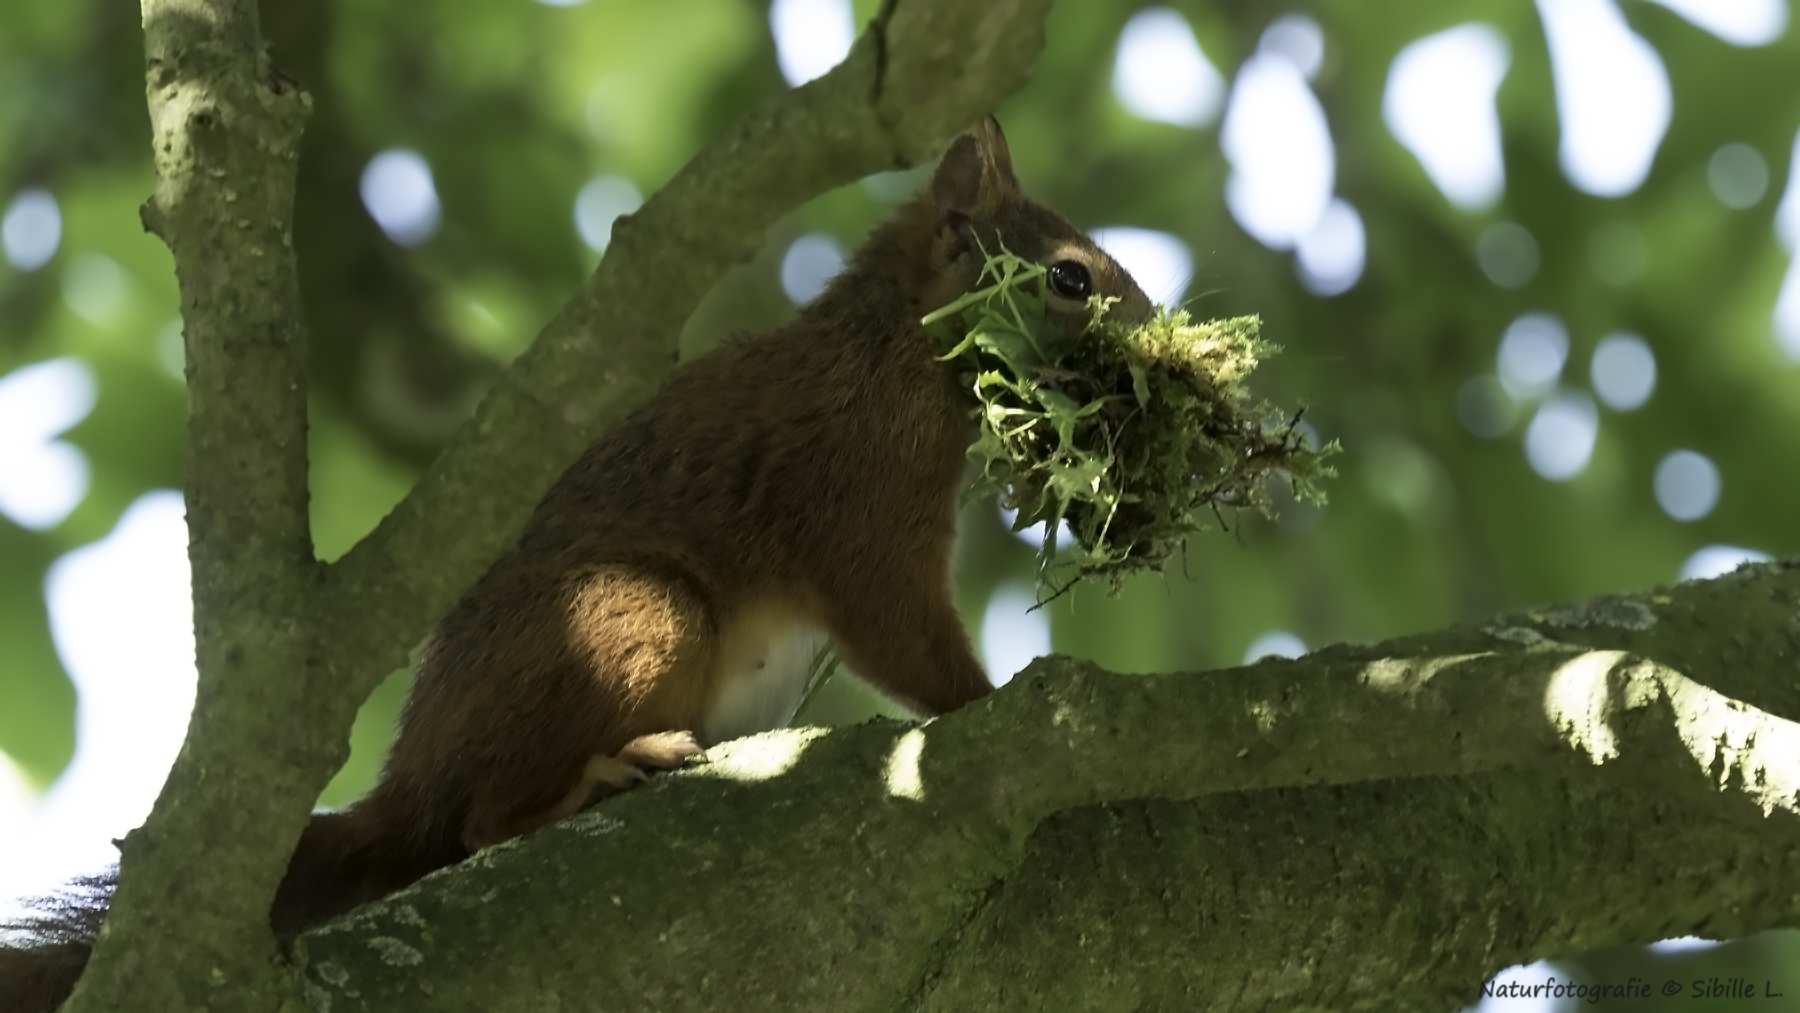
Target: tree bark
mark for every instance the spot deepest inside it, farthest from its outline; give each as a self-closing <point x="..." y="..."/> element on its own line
<point x="226" y="127"/>
<point x="1368" y="827"/>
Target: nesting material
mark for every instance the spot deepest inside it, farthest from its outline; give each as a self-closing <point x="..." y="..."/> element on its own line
<point x="1135" y="437"/>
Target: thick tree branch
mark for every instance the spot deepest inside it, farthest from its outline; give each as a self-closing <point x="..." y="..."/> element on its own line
<point x="1379" y="896"/>
<point x="1163" y="837"/>
<point x="923" y="70"/>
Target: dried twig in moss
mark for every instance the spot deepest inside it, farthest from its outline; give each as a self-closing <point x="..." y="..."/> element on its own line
<point x="1132" y="436"/>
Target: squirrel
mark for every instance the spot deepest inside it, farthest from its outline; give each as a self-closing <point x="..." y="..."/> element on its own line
<point x="802" y="480"/>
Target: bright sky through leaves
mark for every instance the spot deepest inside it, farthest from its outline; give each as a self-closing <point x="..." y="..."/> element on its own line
<point x="1329" y="258"/>
<point x="121" y="616"/>
<point x="1612" y="95"/>
<point x="398" y="191"/>
<point x="1560" y="438"/>
<point x="1439" y="103"/>
<point x="1012" y="634"/>
<point x="1532" y="353"/>
<point x="1686" y="485"/>
<point x="1787" y="228"/>
<point x="1719" y="560"/>
<point x="1160" y="72"/>
<point x="1739" y="22"/>
<point x="42" y="478"/>
<point x="1276" y="644"/>
<point x="1162" y="264"/>
<point x="809" y="265"/>
<point x="1623" y="371"/>
<point x="1283" y="165"/>
<point x="31" y="229"/>
<point x="599" y="203"/>
<point x="811" y="36"/>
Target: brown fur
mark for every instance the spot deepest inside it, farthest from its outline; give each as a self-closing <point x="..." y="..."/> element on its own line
<point x="807" y="475"/>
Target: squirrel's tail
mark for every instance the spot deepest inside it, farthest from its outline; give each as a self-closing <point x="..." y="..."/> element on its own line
<point x="344" y="860"/>
<point x="48" y="946"/>
<point x="338" y="864"/>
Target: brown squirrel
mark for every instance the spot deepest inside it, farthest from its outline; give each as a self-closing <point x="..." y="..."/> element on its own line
<point x="800" y="480"/>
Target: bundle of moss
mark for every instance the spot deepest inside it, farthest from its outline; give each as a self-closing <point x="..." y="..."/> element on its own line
<point x="1133" y="436"/>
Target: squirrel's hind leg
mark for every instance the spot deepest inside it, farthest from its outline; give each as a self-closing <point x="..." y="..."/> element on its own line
<point x="629" y="685"/>
<point x="600" y="777"/>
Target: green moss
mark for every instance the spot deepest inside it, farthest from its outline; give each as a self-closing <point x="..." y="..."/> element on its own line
<point x="1136" y="437"/>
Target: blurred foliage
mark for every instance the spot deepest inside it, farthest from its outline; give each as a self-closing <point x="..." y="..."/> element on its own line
<point x="515" y="104"/>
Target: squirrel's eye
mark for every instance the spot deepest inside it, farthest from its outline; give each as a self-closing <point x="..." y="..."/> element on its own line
<point x="1070" y="280"/>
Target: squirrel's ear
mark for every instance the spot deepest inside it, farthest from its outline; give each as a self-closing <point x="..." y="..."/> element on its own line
<point x="976" y="174"/>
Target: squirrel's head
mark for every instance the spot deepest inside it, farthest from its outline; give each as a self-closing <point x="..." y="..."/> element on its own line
<point x="980" y="206"/>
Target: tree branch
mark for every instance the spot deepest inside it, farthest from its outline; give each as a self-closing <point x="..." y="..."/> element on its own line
<point x="226" y="127"/>
<point x="1088" y="840"/>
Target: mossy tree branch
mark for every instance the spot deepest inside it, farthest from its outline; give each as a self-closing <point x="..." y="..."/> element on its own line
<point x="1367" y="827"/>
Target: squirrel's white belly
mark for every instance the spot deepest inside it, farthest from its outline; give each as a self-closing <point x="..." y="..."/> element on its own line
<point x="765" y="668"/>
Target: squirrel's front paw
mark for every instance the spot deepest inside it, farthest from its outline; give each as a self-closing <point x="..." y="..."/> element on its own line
<point x="660" y="750"/>
<point x="637" y="760"/>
